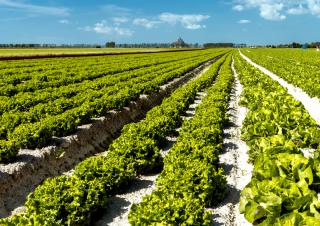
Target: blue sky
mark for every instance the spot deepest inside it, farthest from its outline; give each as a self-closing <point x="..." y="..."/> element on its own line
<point x="137" y="21"/>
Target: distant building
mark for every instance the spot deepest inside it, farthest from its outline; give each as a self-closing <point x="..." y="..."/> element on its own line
<point x="179" y="44"/>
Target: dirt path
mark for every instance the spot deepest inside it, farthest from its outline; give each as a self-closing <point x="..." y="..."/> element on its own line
<point x="117" y="211"/>
<point x="234" y="161"/>
<point x="312" y="105"/>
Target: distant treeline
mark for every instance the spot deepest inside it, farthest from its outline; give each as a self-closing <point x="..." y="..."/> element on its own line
<point x="108" y="45"/>
<point x="218" y="45"/>
<point x="296" y="45"/>
<point x="31" y="45"/>
<point x="111" y="44"/>
<point x="178" y="44"/>
<point x="155" y="45"/>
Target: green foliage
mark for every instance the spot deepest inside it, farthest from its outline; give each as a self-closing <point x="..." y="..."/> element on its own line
<point x="114" y="172"/>
<point x="140" y="151"/>
<point x="191" y="179"/>
<point x="297" y="67"/>
<point x="270" y="199"/>
<point x="284" y="185"/>
<point x="169" y="209"/>
<point x="66" y="200"/>
<point x="37" y="104"/>
<point x="73" y="200"/>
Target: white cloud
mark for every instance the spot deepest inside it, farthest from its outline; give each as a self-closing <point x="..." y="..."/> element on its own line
<point x="116" y="10"/>
<point x="188" y="21"/>
<point x="145" y="22"/>
<point x="123" y="31"/>
<point x="120" y="20"/>
<point x="272" y="12"/>
<point x="300" y="10"/>
<point x="238" y="8"/>
<point x="103" y="27"/>
<point x="64" y="21"/>
<point x="244" y="21"/>
<point x="36" y="9"/>
<point x="314" y="7"/>
<point x="276" y="10"/>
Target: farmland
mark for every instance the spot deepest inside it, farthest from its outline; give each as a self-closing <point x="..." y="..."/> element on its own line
<point x="29" y="52"/>
<point x="298" y="67"/>
<point x="37" y="104"/>
<point x="225" y="142"/>
<point x="276" y="129"/>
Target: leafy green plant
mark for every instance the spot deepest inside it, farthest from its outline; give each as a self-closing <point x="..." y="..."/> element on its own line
<point x="134" y="152"/>
<point x="36" y="106"/>
<point x="191" y="179"/>
<point x="284" y="184"/>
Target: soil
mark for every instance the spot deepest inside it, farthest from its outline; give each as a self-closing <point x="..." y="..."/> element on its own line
<point x="234" y="161"/>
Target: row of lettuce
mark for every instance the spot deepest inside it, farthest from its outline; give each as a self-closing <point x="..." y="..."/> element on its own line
<point x="192" y="178"/>
<point x="284" y="186"/>
<point x="32" y="127"/>
<point x="27" y="100"/>
<point x="74" y="200"/>
<point x="15" y="80"/>
<point x="297" y="67"/>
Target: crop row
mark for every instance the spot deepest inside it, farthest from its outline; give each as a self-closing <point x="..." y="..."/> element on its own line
<point x="192" y="178"/>
<point x="73" y="200"/>
<point x="284" y="185"/>
<point x="93" y="90"/>
<point x="25" y="100"/>
<point x="299" y="68"/>
<point x="17" y="81"/>
<point x="76" y="59"/>
<point x="36" y="128"/>
<point x="31" y="65"/>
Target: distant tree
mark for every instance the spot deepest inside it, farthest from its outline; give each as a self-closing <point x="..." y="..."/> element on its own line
<point x="217" y="45"/>
<point x="283" y="46"/>
<point x="296" y="45"/>
<point x="196" y="45"/>
<point x="110" y="44"/>
<point x="314" y="44"/>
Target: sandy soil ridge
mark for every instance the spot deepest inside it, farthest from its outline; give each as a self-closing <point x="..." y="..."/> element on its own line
<point x="234" y="162"/>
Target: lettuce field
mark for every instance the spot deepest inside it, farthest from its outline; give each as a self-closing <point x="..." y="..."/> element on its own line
<point x="194" y="137"/>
